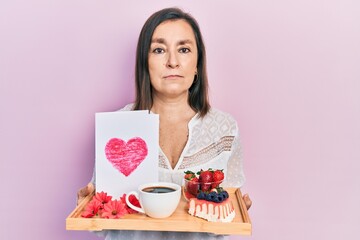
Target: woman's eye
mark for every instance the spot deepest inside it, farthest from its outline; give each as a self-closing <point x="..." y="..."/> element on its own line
<point x="184" y="50"/>
<point x="158" y="50"/>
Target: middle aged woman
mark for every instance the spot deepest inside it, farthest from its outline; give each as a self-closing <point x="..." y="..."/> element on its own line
<point x="171" y="80"/>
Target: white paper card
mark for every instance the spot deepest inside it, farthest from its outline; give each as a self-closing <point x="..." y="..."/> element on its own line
<point x="127" y="151"/>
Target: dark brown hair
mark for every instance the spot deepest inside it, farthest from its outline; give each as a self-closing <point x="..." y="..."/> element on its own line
<point x="198" y="92"/>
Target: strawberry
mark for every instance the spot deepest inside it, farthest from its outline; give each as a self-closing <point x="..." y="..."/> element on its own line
<point x="218" y="177"/>
<point x="205" y="178"/>
<point x="192" y="182"/>
<point x="189" y="175"/>
<point x="192" y="185"/>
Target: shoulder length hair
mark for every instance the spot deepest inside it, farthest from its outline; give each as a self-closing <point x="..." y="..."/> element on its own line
<point x="198" y="92"/>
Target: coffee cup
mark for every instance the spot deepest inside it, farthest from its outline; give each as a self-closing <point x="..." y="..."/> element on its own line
<point x="157" y="200"/>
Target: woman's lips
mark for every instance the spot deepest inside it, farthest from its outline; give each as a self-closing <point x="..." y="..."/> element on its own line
<point x="172" y="76"/>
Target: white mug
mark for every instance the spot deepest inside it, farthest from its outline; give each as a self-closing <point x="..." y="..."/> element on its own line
<point x="157" y="200"/>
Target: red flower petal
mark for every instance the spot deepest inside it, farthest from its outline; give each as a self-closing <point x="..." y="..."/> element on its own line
<point x="102" y="197"/>
<point x="114" y="209"/>
<point x="87" y="214"/>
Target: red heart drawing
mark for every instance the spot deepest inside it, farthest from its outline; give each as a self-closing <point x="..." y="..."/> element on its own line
<point x="126" y="156"/>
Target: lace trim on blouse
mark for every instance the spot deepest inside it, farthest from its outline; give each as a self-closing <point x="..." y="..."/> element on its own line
<point x="162" y="161"/>
<point x="204" y="155"/>
<point x="208" y="153"/>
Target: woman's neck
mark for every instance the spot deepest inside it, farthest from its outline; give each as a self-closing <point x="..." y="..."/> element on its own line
<point x="172" y="109"/>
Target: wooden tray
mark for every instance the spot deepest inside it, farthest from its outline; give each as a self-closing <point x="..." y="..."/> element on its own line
<point x="179" y="221"/>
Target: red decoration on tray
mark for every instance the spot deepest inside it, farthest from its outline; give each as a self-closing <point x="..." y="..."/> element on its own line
<point x="114" y="209"/>
<point x="92" y="209"/>
<point x="103" y="206"/>
<point x="102" y="198"/>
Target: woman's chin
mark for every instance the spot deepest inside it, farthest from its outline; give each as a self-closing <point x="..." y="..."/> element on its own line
<point x="173" y="93"/>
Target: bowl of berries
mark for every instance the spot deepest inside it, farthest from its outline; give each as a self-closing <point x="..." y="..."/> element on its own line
<point x="205" y="185"/>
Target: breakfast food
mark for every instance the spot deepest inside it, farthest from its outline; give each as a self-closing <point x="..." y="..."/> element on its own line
<point x="213" y="212"/>
<point x="206" y="198"/>
<point x="202" y="181"/>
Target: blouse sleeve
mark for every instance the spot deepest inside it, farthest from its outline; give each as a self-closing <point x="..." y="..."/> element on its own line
<point x="235" y="175"/>
<point x="93" y="179"/>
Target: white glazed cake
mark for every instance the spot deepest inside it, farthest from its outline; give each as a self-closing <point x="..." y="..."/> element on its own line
<point x="211" y="211"/>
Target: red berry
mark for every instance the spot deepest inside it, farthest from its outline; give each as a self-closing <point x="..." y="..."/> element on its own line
<point x="218" y="177"/>
<point x="193" y="186"/>
<point x="189" y="175"/>
<point x="206" y="178"/>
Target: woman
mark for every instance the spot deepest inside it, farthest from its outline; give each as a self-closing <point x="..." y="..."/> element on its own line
<point x="171" y="81"/>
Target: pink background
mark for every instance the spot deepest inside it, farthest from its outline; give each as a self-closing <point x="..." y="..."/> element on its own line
<point x="288" y="71"/>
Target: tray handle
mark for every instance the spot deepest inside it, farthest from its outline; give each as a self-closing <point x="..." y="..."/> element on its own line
<point x="79" y="208"/>
<point x="244" y="212"/>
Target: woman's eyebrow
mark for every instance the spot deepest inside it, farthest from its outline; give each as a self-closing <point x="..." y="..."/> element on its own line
<point x="163" y="41"/>
<point x="158" y="40"/>
<point x="187" y="41"/>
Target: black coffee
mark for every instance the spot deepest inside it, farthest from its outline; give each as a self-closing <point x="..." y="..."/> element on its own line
<point x="158" y="189"/>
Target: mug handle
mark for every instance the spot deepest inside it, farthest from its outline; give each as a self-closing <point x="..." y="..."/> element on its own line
<point x="130" y="204"/>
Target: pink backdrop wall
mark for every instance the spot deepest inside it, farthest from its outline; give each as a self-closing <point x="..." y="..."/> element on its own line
<point x="289" y="71"/>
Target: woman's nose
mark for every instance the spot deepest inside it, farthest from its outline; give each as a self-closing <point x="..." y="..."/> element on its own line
<point x="172" y="61"/>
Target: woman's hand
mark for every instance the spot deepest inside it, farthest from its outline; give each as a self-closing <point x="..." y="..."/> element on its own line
<point x="85" y="191"/>
<point x="247" y="201"/>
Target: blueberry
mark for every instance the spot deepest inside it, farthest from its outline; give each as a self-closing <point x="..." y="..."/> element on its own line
<point x="216" y="200"/>
<point x="208" y="197"/>
<point x="220" y="198"/>
<point x="213" y="193"/>
<point x="226" y="194"/>
<point x="212" y="196"/>
<point x="201" y="195"/>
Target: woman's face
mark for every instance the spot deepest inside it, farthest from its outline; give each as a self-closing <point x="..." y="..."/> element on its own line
<point x="172" y="58"/>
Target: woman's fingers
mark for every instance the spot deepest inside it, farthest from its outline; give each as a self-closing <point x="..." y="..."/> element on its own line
<point x="247" y="201"/>
<point x="85" y="191"/>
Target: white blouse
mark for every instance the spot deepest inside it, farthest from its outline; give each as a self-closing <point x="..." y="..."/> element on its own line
<point x="213" y="142"/>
